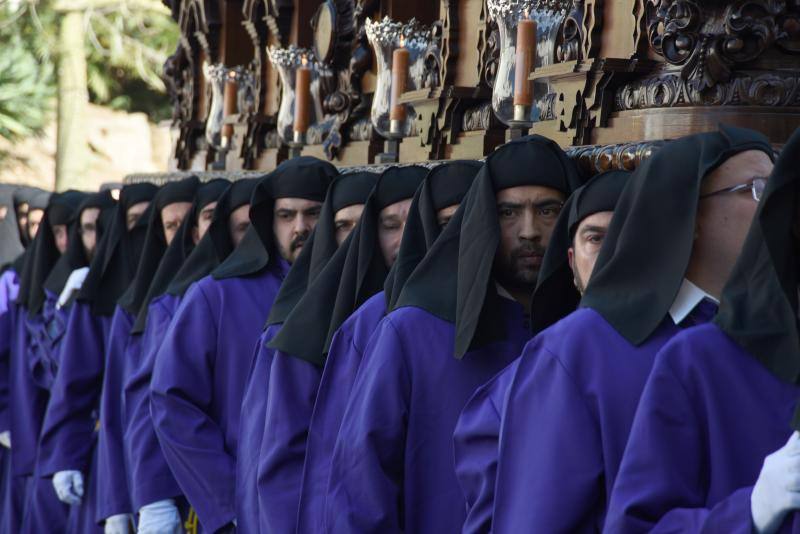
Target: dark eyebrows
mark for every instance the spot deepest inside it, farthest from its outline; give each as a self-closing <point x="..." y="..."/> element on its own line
<point x="548" y="203"/>
<point x="592" y="228"/>
<point x="389" y="218"/>
<point x="509" y="206"/>
<point x="286" y="212"/>
<point x="314" y="210"/>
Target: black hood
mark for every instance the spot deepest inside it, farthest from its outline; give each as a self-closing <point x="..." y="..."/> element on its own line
<point x="646" y="252"/>
<point x="10" y="239"/>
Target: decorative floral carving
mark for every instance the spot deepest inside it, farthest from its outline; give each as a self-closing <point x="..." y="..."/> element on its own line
<point x="360" y="130"/>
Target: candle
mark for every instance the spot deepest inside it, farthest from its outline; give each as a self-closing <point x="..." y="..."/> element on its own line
<point x="526" y="51"/>
<point x="229" y="102"/>
<point x="399" y="74"/>
<point x="302" y="103"/>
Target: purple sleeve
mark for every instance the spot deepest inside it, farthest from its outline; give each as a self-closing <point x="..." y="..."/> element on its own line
<point x="68" y="431"/>
<point x="151" y="478"/>
<point x="181" y="392"/>
<point x="292" y="389"/>
<point x="661" y="485"/>
<point x="550" y="452"/>
<point x="366" y="481"/>
<point x="112" y="480"/>
<point x="251" y="431"/>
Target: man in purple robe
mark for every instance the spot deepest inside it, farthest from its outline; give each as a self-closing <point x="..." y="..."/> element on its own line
<point x="169" y="208"/>
<point x="714" y="443"/>
<point x="433" y="205"/>
<point x="296" y="353"/>
<point x="202" y="365"/>
<point x="392" y="469"/>
<point x="190" y="256"/>
<point x="567" y="266"/>
<point x="341" y="211"/>
<point x="661" y="267"/>
<point x="68" y="432"/>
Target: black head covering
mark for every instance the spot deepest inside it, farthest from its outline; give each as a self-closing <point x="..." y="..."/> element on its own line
<point x="179" y="249"/>
<point x="61" y="210"/>
<point x="303" y="177"/>
<point x="24" y="194"/>
<point x="114" y="262"/>
<point x="555" y="296"/>
<point x="445" y="185"/>
<point x="217" y="244"/>
<point x="75" y="257"/>
<point x="356" y="272"/>
<point x="155" y="243"/>
<point x="344" y="191"/>
<point x="469" y="243"/>
<point x="759" y="304"/>
<point x="646" y="252"/>
<point x="10" y="242"/>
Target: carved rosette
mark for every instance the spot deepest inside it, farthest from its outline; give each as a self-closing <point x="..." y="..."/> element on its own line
<point x="287" y="61"/>
<point x="384" y="36"/>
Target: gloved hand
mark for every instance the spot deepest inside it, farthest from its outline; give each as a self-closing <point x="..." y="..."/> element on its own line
<point x="160" y="517"/>
<point x="5" y="439"/>
<point x="119" y="524"/>
<point x="777" y="490"/>
<point x="69" y="486"/>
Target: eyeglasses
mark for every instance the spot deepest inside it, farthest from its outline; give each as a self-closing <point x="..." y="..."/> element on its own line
<point x="756" y="187"/>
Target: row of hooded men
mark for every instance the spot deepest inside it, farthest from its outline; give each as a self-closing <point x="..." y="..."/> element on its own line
<point x="476" y="347"/>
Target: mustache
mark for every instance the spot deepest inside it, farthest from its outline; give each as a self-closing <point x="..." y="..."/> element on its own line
<point x="528" y="249"/>
<point x="298" y="242"/>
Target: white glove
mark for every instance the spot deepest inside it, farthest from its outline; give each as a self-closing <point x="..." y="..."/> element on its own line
<point x="777" y="490"/>
<point x="119" y="524"/>
<point x="160" y="517"/>
<point x="5" y="439"/>
<point x="69" y="486"/>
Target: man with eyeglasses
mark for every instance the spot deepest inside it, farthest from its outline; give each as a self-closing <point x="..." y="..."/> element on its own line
<point x="676" y="234"/>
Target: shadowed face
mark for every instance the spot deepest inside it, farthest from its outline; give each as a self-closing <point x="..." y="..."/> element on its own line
<point x="172" y="216"/>
<point x="133" y="214"/>
<point x="204" y="219"/>
<point x="22" y="217"/>
<point x="345" y="220"/>
<point x="34" y="220"/>
<point x="88" y="230"/>
<point x="586" y="244"/>
<point x="527" y="215"/>
<point x="444" y="215"/>
<point x="60" y="237"/>
<point x="238" y="222"/>
<point x="294" y="218"/>
<point x="391" y="223"/>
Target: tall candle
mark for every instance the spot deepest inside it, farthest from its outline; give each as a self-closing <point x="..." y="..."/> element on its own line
<point x="302" y="103"/>
<point x="526" y="51"/>
<point x="229" y="102"/>
<point x="397" y="110"/>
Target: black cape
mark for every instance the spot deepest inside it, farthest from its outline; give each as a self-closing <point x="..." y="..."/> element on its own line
<point x="179" y="250"/>
<point x="468" y="245"/>
<point x="155" y="243"/>
<point x="114" y="262"/>
<point x="304" y="177"/>
<point x="355" y="272"/>
<point x="344" y="191"/>
<point x="217" y="244"/>
<point x="24" y="194"/>
<point x="556" y="296"/>
<point x="10" y="241"/>
<point x="61" y="210"/>
<point x="646" y="252"/>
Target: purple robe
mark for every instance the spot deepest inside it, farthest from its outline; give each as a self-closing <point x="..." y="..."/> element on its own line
<point x="251" y="432"/>
<point x="339" y="374"/>
<point x="69" y="431"/>
<point x="198" y="382"/>
<point x="150" y="477"/>
<point x="567" y="418"/>
<point x="51" y="328"/>
<point x="392" y="466"/>
<point x="112" y="480"/>
<point x="709" y="415"/>
<point x="476" y="442"/>
<point x="9" y="287"/>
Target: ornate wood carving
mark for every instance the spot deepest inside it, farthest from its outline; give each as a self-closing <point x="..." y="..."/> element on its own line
<point x="592" y="159"/>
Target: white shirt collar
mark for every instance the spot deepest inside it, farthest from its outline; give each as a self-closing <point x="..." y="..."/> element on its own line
<point x="689" y="296"/>
<point x="74" y="283"/>
<point x="502" y="292"/>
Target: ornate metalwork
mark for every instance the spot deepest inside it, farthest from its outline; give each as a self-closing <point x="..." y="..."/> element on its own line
<point x="477" y="118"/>
<point x="592" y="159"/>
<point x="360" y="130"/>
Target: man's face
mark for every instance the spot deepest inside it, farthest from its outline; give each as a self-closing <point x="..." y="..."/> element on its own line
<point x="60" y="237"/>
<point x="88" y="230"/>
<point x="444" y="215"/>
<point x="22" y="217"/>
<point x="34" y="220"/>
<point x="723" y="220"/>
<point x="345" y="220"/>
<point x="204" y="219"/>
<point x="294" y="219"/>
<point x="133" y="214"/>
<point x="589" y="237"/>
<point x="172" y="216"/>
<point x="238" y="222"/>
<point x="527" y="215"/>
<point x="391" y="223"/>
